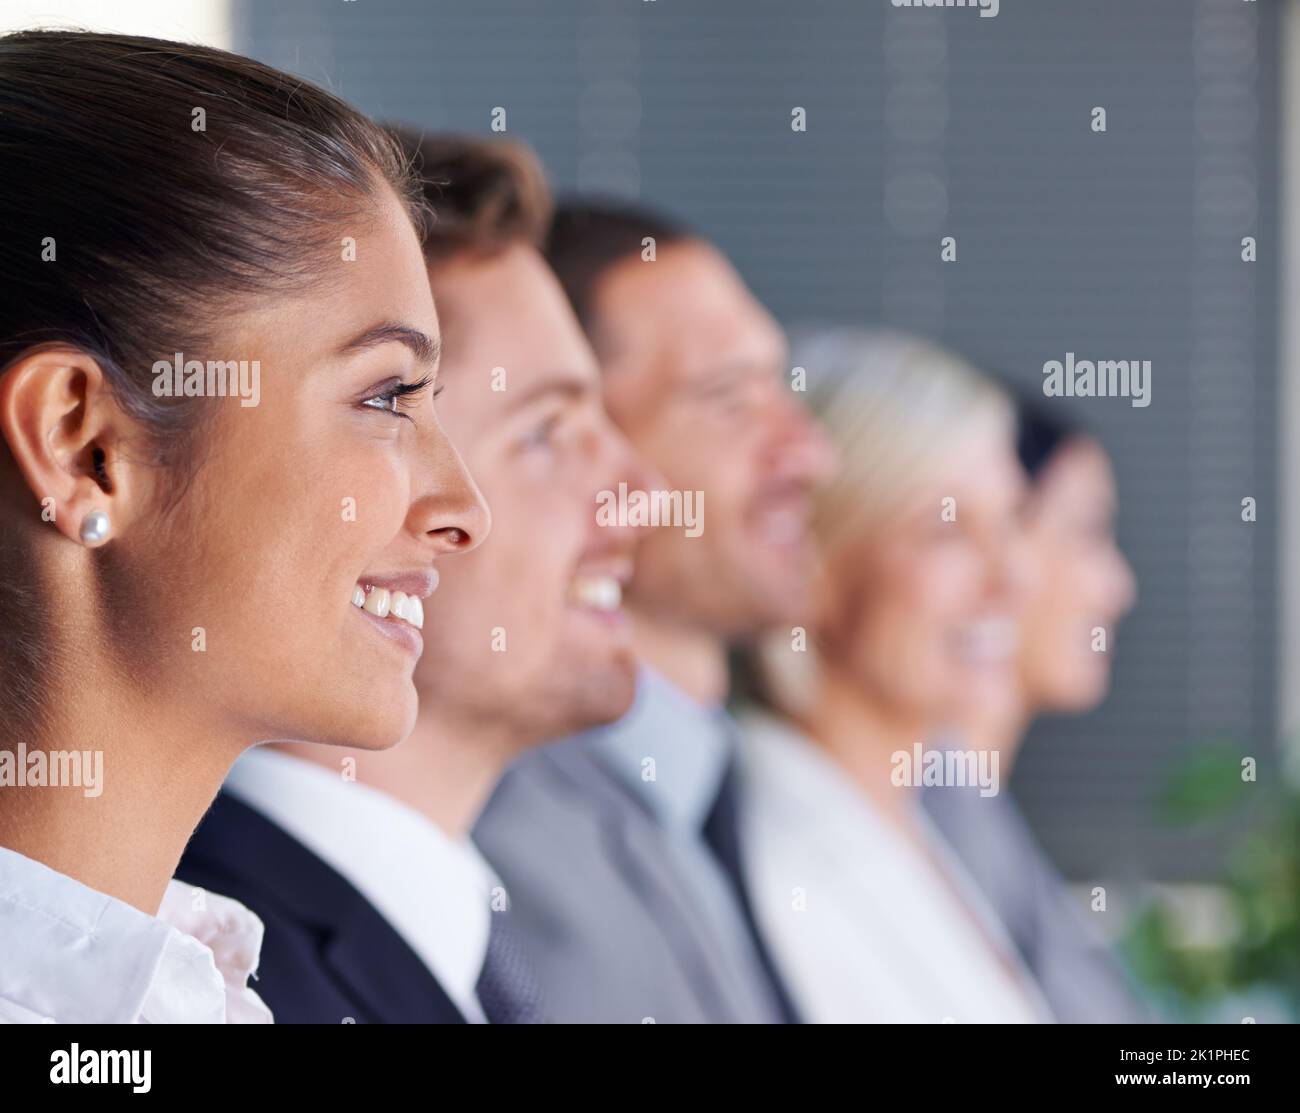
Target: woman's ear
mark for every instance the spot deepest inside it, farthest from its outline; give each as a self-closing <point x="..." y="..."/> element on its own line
<point x="66" y="433"/>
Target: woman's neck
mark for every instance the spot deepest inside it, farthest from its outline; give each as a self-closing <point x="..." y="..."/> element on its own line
<point x="159" y="772"/>
<point x="999" y="729"/>
<point x="445" y="769"/>
<point x="862" y="734"/>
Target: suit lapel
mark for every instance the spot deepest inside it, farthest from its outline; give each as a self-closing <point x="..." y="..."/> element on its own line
<point x="359" y="947"/>
<point x="386" y="976"/>
<point x="635" y="844"/>
<point x="722" y="832"/>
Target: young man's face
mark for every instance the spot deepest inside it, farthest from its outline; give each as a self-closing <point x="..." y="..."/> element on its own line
<point x="695" y="375"/>
<point x="528" y="633"/>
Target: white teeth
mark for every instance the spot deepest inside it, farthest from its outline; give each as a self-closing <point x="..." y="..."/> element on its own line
<point x="787" y="527"/>
<point x="382" y="603"/>
<point x="600" y="593"/>
<point x="397" y="605"/>
<point x="377" y="601"/>
<point x="989" y="640"/>
<point x="784" y="526"/>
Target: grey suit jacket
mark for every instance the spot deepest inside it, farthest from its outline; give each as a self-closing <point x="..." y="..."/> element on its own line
<point x="612" y="929"/>
<point x="1079" y="977"/>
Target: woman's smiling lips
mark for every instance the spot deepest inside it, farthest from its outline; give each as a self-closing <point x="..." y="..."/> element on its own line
<point x="393" y="604"/>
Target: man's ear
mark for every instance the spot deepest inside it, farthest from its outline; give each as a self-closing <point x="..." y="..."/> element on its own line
<point x="67" y="435"/>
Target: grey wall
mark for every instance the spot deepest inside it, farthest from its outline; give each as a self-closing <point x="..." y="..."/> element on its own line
<point x="930" y="123"/>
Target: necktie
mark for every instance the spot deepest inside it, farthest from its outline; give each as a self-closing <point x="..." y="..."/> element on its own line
<point x="507" y="987"/>
<point x="722" y="833"/>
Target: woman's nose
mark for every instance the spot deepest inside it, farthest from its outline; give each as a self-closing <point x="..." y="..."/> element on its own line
<point x="453" y="513"/>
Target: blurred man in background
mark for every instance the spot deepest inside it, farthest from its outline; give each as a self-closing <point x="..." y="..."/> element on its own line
<point x="619" y="847"/>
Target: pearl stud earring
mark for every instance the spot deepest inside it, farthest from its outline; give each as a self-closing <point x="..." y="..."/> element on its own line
<point x="94" y="528"/>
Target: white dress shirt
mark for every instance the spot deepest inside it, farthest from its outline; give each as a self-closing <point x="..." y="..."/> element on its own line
<point x="71" y="954"/>
<point x="435" y="891"/>
<point x="865" y="926"/>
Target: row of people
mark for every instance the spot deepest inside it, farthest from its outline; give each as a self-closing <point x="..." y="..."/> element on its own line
<point x="245" y="608"/>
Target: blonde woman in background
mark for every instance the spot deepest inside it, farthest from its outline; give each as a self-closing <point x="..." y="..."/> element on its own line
<point x="868" y="913"/>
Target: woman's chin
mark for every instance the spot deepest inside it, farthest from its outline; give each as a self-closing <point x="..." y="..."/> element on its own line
<point x="383" y="733"/>
<point x="1077" y="693"/>
<point x="370" y="721"/>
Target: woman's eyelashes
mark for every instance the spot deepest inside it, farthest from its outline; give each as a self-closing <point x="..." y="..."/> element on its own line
<point x="396" y="397"/>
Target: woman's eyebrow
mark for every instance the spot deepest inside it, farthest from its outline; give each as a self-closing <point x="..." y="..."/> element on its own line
<point x="427" y="349"/>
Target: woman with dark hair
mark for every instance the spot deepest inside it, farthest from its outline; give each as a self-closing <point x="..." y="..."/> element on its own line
<point x="1083" y="585"/>
<point x="194" y="556"/>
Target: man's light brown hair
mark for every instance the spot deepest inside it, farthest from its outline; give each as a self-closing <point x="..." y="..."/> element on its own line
<point x="481" y="195"/>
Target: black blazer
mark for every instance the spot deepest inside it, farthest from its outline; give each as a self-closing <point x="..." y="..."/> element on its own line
<point x="327" y="953"/>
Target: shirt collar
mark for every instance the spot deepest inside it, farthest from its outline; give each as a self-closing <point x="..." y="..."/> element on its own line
<point x="74" y="954"/>
<point x="434" y="890"/>
<point x="671" y="751"/>
<point x="209" y="930"/>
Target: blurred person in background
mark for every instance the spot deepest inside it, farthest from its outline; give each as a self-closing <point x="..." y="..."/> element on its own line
<point x="378" y="905"/>
<point x="1079" y="586"/>
<point x="868" y="912"/>
<point x="619" y="847"/>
